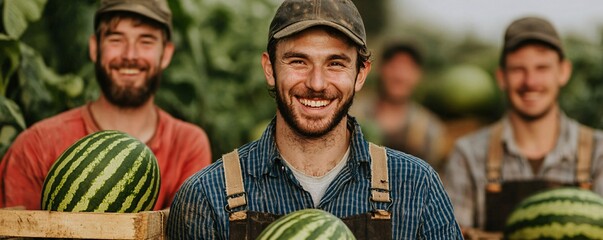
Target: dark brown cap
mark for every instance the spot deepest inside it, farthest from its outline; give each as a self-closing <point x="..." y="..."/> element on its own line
<point x="531" y="29"/>
<point x="157" y="10"/>
<point x="294" y="16"/>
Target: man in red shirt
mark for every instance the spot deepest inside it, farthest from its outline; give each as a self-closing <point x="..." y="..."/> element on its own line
<point x="130" y="48"/>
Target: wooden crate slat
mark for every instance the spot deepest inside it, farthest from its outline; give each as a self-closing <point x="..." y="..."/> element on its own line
<point x="22" y="223"/>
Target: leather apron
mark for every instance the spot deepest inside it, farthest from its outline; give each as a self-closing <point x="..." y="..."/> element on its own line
<point x="502" y="197"/>
<point x="245" y="224"/>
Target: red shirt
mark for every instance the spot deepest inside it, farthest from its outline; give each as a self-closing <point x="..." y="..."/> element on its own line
<point x="181" y="149"/>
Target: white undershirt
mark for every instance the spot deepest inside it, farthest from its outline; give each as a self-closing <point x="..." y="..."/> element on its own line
<point x="317" y="186"/>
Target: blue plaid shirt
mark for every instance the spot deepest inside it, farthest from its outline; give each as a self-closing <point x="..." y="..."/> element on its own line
<point x="420" y="208"/>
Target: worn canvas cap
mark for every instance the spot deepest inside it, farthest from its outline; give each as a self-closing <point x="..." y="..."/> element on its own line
<point x="157" y="10"/>
<point x="294" y="16"/>
<point x="529" y="29"/>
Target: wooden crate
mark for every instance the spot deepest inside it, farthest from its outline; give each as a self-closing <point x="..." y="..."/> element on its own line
<point x="50" y="224"/>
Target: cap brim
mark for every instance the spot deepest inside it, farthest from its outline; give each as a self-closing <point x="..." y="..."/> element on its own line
<point x="303" y="25"/>
<point x="532" y="36"/>
<point x="134" y="8"/>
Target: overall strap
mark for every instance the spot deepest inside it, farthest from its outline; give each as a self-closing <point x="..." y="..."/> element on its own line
<point x="584" y="157"/>
<point x="235" y="192"/>
<point x="583" y="167"/>
<point x="494" y="161"/>
<point x="379" y="179"/>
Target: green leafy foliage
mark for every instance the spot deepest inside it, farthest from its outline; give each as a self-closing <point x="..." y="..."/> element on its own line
<point x="61" y="37"/>
<point x="582" y="96"/>
<point x="29" y="89"/>
<point x="41" y="92"/>
<point x="11" y="123"/>
<point x="16" y="14"/>
<point x="215" y="78"/>
<point x="15" y="17"/>
<point x="9" y="62"/>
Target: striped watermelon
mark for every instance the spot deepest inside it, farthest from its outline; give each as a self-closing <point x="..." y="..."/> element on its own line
<point x="563" y="213"/>
<point x="307" y="224"/>
<point x="107" y="171"/>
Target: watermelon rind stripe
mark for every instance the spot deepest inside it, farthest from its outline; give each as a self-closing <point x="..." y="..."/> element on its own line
<point x="141" y="175"/>
<point x="277" y="229"/>
<point x="70" y="153"/>
<point x="561" y="207"/>
<point x="103" y="196"/>
<point x="79" y="165"/>
<point x="561" y="219"/>
<point x="154" y="189"/>
<point x="67" y="177"/>
<point x="146" y="183"/>
<point x="302" y="231"/>
<point x="86" y="175"/>
<point x="563" y="193"/>
<point x="144" y="180"/>
<point x="87" y="181"/>
<point x="146" y="202"/>
<point x="81" y="176"/>
<point x="325" y="232"/>
<point x="581" y="198"/>
<point x="62" y="187"/>
<point x="157" y="185"/>
<point x="307" y="224"/>
<point x="559" y="231"/>
<point x="288" y="221"/>
<point x="111" y="171"/>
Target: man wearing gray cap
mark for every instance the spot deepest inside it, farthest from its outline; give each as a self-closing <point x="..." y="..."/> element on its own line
<point x="313" y="154"/>
<point x="535" y="146"/>
<point x="130" y="48"/>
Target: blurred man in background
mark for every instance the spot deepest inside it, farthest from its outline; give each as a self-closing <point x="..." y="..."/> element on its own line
<point x="402" y="123"/>
<point x="535" y="146"/>
<point x="130" y="48"/>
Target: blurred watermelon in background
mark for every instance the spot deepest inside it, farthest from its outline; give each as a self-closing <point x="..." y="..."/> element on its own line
<point x="461" y="91"/>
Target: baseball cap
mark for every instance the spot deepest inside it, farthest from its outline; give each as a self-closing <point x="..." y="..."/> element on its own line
<point x="531" y="29"/>
<point x="157" y="10"/>
<point x="294" y="16"/>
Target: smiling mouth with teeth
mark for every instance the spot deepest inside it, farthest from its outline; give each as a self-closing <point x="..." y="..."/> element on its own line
<point x="129" y="71"/>
<point x="314" y="103"/>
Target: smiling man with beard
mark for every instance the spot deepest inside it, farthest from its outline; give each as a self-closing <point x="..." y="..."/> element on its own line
<point x="313" y="154"/>
<point x="535" y="146"/>
<point x="130" y="48"/>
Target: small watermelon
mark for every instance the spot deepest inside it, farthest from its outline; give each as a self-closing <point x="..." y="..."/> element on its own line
<point x="563" y="213"/>
<point x="307" y="224"/>
<point x="106" y="171"/>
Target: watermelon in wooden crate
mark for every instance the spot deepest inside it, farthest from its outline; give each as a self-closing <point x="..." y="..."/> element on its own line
<point x="307" y="224"/>
<point x="106" y="171"/>
<point x="564" y="213"/>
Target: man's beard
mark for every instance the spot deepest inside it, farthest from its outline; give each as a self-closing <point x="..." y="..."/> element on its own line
<point x="295" y="122"/>
<point x="126" y="96"/>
